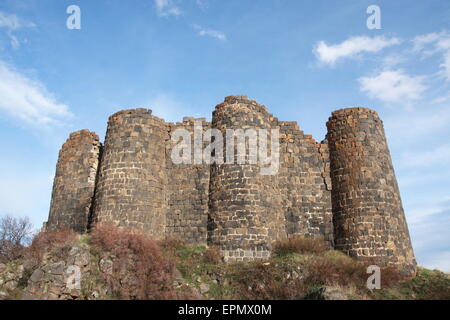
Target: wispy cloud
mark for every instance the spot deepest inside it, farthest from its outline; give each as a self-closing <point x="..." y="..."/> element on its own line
<point x="424" y="124"/>
<point x="209" y="32"/>
<point x="11" y="23"/>
<point x="440" y="261"/>
<point x="28" y="100"/>
<point x="445" y="65"/>
<point x="439" y="40"/>
<point x="428" y="225"/>
<point x="439" y="156"/>
<point x="165" y="8"/>
<point x="435" y="43"/>
<point x="351" y="48"/>
<point x="393" y="86"/>
<point x="393" y="60"/>
<point x="168" y="107"/>
<point x="202" y="4"/>
<point x="429" y="207"/>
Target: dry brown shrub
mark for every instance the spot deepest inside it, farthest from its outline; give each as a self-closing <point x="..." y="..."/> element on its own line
<point x="331" y="271"/>
<point x="298" y="244"/>
<point x="213" y="255"/>
<point x="171" y="244"/>
<point x="140" y="269"/>
<point x="264" y="280"/>
<point x="390" y="277"/>
<point x="336" y="268"/>
<point x="49" y="241"/>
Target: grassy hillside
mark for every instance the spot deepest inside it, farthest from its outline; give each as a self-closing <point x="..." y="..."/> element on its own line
<point x="300" y="272"/>
<point x="115" y="264"/>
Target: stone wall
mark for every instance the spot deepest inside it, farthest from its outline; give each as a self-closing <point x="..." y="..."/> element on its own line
<point x="132" y="184"/>
<point x="368" y="216"/>
<point x="245" y="207"/>
<point x="305" y="184"/>
<point x="342" y="190"/>
<point x="188" y="190"/>
<point x="74" y="183"/>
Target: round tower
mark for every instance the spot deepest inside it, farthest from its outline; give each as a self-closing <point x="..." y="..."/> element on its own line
<point x="245" y="205"/>
<point x="74" y="183"/>
<point x="131" y="190"/>
<point x="368" y="216"/>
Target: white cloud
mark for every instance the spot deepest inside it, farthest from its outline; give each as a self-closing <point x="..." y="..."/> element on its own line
<point x="430" y="241"/>
<point x="170" y="108"/>
<point x="424" y="209"/>
<point x="440" y="261"/>
<point x="399" y="126"/>
<point x="28" y="100"/>
<point x="393" y="86"/>
<point x="209" y="32"/>
<point x="435" y="43"/>
<point x="440" y="40"/>
<point x="446" y="65"/>
<point x="441" y="99"/>
<point x="166" y="8"/>
<point x="11" y="23"/>
<point x="202" y="3"/>
<point x="407" y="179"/>
<point x="167" y="107"/>
<point x="428" y="218"/>
<point x="421" y="41"/>
<point x="440" y="156"/>
<point x="351" y="48"/>
<point x="393" y="60"/>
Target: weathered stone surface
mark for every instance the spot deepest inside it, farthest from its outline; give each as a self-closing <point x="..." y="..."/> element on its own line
<point x="10" y="275"/>
<point x="246" y="213"/>
<point x="61" y="277"/>
<point x="204" y="288"/>
<point x="10" y="285"/>
<point x="74" y="184"/>
<point x="106" y="266"/>
<point x="187" y="190"/>
<point x="132" y="184"/>
<point x="367" y="211"/>
<point x="327" y="293"/>
<point x="342" y="190"/>
<point x="304" y="182"/>
<point x="37" y="275"/>
<point x="55" y="268"/>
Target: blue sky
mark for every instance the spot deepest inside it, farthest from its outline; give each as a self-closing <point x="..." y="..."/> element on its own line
<point x="302" y="59"/>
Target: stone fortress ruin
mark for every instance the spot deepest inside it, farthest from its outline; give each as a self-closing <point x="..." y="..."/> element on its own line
<point x="342" y="190"/>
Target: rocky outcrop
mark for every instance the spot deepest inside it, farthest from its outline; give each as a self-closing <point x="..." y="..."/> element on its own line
<point x="66" y="277"/>
<point x="78" y="272"/>
<point x="68" y="273"/>
<point x="10" y="275"/>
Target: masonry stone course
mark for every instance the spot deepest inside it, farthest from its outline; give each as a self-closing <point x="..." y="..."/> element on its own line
<point x="367" y="211"/>
<point x="188" y="187"/>
<point x="342" y="190"/>
<point x="131" y="187"/>
<point x="74" y="183"/>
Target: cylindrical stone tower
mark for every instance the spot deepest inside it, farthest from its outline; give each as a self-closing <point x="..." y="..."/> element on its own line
<point x="245" y="206"/>
<point x="131" y="190"/>
<point x="74" y="184"/>
<point x="368" y="216"/>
